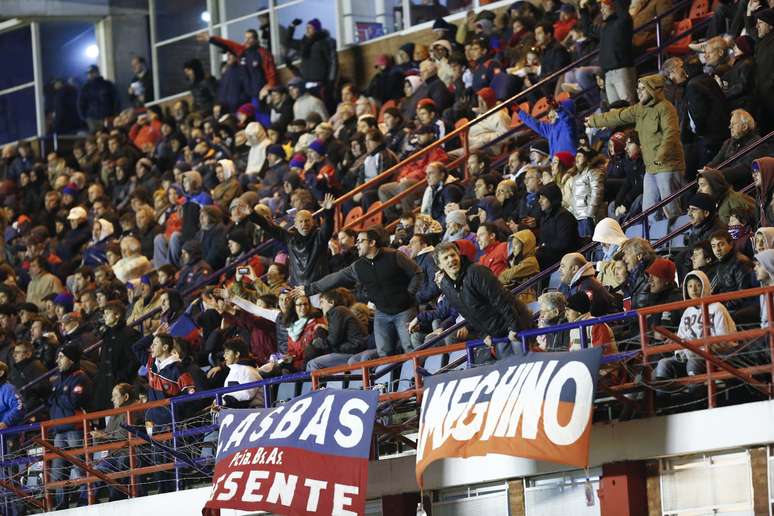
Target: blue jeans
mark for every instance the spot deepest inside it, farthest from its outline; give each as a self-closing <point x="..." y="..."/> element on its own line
<point x="63" y="440"/>
<point x="657" y="187"/>
<point x="390" y="329"/>
<point x="329" y="360"/>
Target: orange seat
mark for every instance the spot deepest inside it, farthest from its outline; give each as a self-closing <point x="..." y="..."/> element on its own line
<point x="353" y="215"/>
<point x="562" y="96"/>
<point x="680" y="47"/>
<point x="375" y="215"/>
<point x="699" y="10"/>
<point x="515" y="120"/>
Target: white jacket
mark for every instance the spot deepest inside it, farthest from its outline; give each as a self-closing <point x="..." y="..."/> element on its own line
<point x="488" y="129"/>
<point x="239" y="374"/>
<point x="588" y="194"/>
<point x="691" y="322"/>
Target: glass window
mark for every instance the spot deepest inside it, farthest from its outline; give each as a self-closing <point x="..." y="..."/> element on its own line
<point x="15" y="58"/>
<point x="374" y="19"/>
<point x="171" y="58"/>
<point x="325" y="12"/>
<point x="238" y="8"/>
<point x="68" y="49"/>
<point x="428" y="10"/>
<point x="176" y="17"/>
<point x="236" y="30"/>
<point x="17" y="115"/>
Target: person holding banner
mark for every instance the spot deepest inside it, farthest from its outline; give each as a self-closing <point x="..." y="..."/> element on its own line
<point x="475" y="292"/>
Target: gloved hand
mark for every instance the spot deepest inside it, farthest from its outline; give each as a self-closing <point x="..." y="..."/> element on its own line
<point x="296" y="22"/>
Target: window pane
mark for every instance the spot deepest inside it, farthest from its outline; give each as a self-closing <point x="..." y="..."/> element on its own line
<point x="68" y="49"/>
<point x="176" y="17"/>
<point x="236" y="30"/>
<point x="15" y="58"/>
<point x="171" y="59"/>
<point x="323" y="10"/>
<point x="17" y="115"/>
<point x="373" y="19"/>
<point x="237" y="8"/>
<point x="428" y="10"/>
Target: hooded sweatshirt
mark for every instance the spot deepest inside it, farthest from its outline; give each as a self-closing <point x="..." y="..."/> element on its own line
<point x="526" y="263"/>
<point x="609" y="233"/>
<point x="229" y="189"/>
<point x="691" y="326"/>
<point x="657" y="124"/>
<point x="766" y="190"/>
<point x="727" y="199"/>
<point x="768" y="236"/>
<point x="765" y="258"/>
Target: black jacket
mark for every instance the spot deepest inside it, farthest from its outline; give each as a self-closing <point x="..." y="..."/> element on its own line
<point x="733" y="273"/>
<point x="739" y="173"/>
<point x="487" y="306"/>
<point x="633" y="182"/>
<point x="98" y="99"/>
<point x="739" y="84"/>
<point x="390" y="280"/>
<point x="319" y="61"/>
<point x="203" y="94"/>
<point x="764" y="74"/>
<point x="433" y="88"/>
<point x="708" y="108"/>
<point x="308" y="254"/>
<point x="429" y="290"/>
<point x="117" y="363"/>
<point x="553" y="58"/>
<point x="558" y="233"/>
<point x="449" y="192"/>
<point x="20" y="374"/>
<point x="233" y="88"/>
<point x="615" y="37"/>
<point x="214" y="245"/>
<point x="345" y="332"/>
<point x="704" y="230"/>
<point x="282" y="114"/>
<point x="386" y="85"/>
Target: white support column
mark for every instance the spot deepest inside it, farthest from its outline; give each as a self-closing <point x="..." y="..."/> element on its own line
<point x="154" y="52"/>
<point x="222" y="19"/>
<point x="274" y="32"/>
<point x="37" y="74"/>
<point x="103" y="29"/>
<point x="382" y="15"/>
<point x="345" y="22"/>
<point x="212" y="7"/>
<point x="406" y="22"/>
<point x="339" y="24"/>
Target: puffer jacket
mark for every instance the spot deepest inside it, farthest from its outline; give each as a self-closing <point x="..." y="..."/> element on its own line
<point x="733" y="272"/>
<point x="489" y="129"/>
<point x="308" y="260"/>
<point x="558" y="229"/>
<point x="488" y="307"/>
<point x="319" y="60"/>
<point x="524" y="265"/>
<point x="657" y="125"/>
<point x="588" y="194"/>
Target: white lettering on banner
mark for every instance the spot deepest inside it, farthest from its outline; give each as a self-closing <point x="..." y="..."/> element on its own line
<point x="290" y="421"/>
<point x="315" y="486"/>
<point x="230" y="486"/>
<point x="226" y="421"/>
<point x="341" y="498"/>
<point x="282" y="489"/>
<point x="517" y="398"/>
<point x="352" y="422"/>
<point x="266" y="424"/>
<point x="235" y="439"/>
<point x="316" y="427"/>
<point x="568" y="434"/>
<point x="252" y="485"/>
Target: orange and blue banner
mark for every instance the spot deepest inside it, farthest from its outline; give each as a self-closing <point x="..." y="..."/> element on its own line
<point x="307" y="456"/>
<point x="537" y="406"/>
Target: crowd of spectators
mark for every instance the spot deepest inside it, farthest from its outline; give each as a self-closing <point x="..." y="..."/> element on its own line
<point x="123" y="240"/>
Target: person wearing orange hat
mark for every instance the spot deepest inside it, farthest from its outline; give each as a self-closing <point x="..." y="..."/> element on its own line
<point x="560" y="130"/>
<point x="493" y="126"/>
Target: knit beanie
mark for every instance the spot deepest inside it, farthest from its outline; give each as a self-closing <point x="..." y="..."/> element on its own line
<point x="579" y="302"/>
<point x="619" y="143"/>
<point x="318" y="147"/>
<point x="703" y="202"/>
<point x="314" y="22"/>
<point x="71" y="351"/>
<point x="489" y="96"/>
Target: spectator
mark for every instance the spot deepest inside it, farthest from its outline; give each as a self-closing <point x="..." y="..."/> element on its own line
<point x="431" y="87"/>
<point x="638" y="255"/>
<point x="763" y="177"/>
<point x="656" y="122"/>
<point x="704" y="219"/>
<point x="42" y="282"/>
<point x="558" y="228"/>
<point x="552" y="313"/>
<point x="522" y="263"/>
<point x="319" y="60"/>
<point x="588" y="187"/>
<point x="420" y="249"/>
<point x="713" y="183"/>
<point x="132" y="264"/>
<point x="203" y="87"/>
<point x="304" y="103"/>
<point x="662" y="289"/>
<point x="307" y="244"/>
<point x="494" y="254"/>
<point x="117" y="363"/>
<point x="560" y="130"/>
<point x="737" y="81"/>
<point x="386" y="84"/>
<point x="695" y="286"/>
<point x="481" y="134"/>
<point x="241" y="369"/>
<point x="141" y="84"/>
<point x="69" y="246"/>
<point x="611" y="237"/>
<point x="71" y="396"/>
<point x="703" y="259"/>
<point x="553" y="56"/>
<point x="195" y="268"/>
<point x="616" y="53"/>
<point x="24" y="369"/>
<point x="764" y="239"/>
<point x="578" y="275"/>
<point x="11" y="408"/>
<point x="146" y="230"/>
<point x="473" y="290"/>
<point x="344" y="337"/>
<point x="390" y="280"/>
<point x="743" y="133"/>
<point x="628" y="200"/>
<point x="597" y="335"/>
<point x="97" y="99"/>
<point x="733" y="272"/>
<point x="457" y="227"/>
<point x="440" y="191"/>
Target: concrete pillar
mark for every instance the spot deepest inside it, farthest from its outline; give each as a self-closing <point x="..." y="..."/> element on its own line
<point x="516" y="497"/>
<point x="760" y="480"/>
<point x="623" y="489"/>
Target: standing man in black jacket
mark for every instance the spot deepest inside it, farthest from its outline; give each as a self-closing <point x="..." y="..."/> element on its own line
<point x="319" y="60"/>
<point x="764" y="67"/>
<point x="117" y="363"/>
<point x="553" y="56"/>
<point x="389" y="279"/>
<point x="616" y="54"/>
<point x="307" y="245"/>
<point x="24" y="369"/>
<point x="474" y="291"/>
<point x="558" y="228"/>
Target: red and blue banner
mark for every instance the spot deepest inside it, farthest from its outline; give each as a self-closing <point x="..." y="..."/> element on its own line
<point x="537" y="406"/>
<point x="307" y="456"/>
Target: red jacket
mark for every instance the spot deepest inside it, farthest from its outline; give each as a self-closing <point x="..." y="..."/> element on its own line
<point x="296" y="347"/>
<point x="416" y="169"/>
<point x="495" y="257"/>
<point x="267" y="60"/>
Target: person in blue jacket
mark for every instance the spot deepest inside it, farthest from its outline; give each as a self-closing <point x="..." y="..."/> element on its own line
<point x="11" y="408"/>
<point x="71" y="396"/>
<point x="560" y="130"/>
